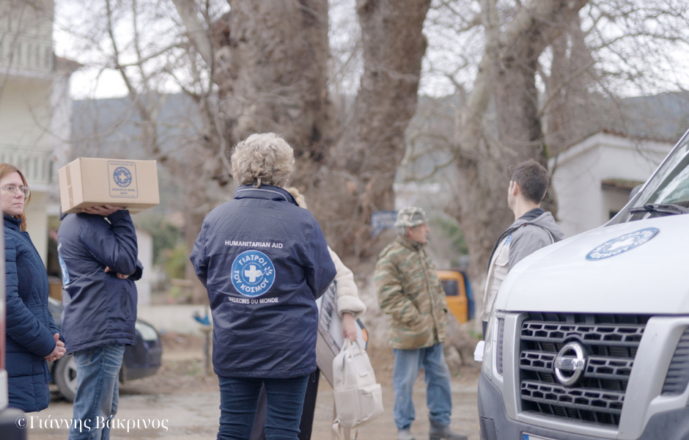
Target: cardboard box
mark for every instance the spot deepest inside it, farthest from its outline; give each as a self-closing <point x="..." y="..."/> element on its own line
<point x="87" y="182"/>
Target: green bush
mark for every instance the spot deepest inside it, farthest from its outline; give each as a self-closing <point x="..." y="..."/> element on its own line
<point x="174" y="260"/>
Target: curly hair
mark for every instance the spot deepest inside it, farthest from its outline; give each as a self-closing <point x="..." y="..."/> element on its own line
<point x="263" y="159"/>
<point x="298" y="197"/>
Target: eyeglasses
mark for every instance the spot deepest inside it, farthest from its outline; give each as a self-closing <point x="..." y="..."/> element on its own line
<point x="12" y="190"/>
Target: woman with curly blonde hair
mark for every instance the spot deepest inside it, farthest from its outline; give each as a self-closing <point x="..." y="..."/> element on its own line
<point x="264" y="262"/>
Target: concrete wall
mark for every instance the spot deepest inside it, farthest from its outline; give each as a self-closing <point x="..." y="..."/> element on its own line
<point x="579" y="171"/>
<point x="25" y="114"/>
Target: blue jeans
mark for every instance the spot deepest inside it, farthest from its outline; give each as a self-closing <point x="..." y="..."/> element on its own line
<point x="98" y="371"/>
<point x="239" y="399"/>
<point x="438" y="392"/>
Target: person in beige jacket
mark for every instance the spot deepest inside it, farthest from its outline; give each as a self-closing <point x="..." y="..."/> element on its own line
<point x="349" y="308"/>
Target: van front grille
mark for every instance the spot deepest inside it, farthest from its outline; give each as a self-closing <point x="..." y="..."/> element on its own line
<point x="610" y="343"/>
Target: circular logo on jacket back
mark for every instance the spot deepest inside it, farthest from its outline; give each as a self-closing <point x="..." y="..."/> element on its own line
<point x="122" y="176"/>
<point x="253" y="273"/>
<point x="622" y="244"/>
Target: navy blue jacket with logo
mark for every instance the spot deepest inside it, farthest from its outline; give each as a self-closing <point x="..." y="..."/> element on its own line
<point x="30" y="326"/>
<point x="264" y="261"/>
<point x="99" y="308"/>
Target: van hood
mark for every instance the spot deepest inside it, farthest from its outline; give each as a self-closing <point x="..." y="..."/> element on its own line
<point x="640" y="267"/>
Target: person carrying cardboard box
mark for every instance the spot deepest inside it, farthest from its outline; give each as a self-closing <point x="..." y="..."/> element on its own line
<point x="98" y="251"/>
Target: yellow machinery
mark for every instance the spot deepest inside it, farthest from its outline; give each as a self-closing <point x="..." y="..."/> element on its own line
<point x="455" y="293"/>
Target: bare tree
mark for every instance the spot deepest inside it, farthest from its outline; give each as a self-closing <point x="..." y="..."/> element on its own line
<point x="272" y="76"/>
<point x="546" y="74"/>
<point x="266" y="66"/>
<point x="147" y="64"/>
<point x="372" y="145"/>
<point x="530" y="78"/>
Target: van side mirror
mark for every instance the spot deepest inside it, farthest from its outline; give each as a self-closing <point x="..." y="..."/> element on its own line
<point x="634" y="191"/>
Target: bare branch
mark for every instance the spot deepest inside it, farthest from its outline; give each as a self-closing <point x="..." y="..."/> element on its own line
<point x="197" y="33"/>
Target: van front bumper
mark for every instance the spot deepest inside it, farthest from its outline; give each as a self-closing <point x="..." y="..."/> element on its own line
<point x="495" y="425"/>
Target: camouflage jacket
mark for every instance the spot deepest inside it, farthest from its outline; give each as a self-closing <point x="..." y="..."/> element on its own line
<point x="410" y="292"/>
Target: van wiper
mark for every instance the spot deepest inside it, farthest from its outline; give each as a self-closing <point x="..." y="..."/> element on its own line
<point x="667" y="208"/>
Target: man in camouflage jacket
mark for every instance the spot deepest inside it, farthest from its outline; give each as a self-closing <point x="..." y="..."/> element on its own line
<point x="410" y="292"/>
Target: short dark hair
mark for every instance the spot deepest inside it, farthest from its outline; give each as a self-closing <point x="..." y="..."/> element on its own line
<point x="533" y="180"/>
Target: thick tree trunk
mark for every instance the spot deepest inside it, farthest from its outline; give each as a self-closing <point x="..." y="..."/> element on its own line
<point x="270" y="64"/>
<point x="508" y="73"/>
<point x="372" y="147"/>
<point x="278" y="68"/>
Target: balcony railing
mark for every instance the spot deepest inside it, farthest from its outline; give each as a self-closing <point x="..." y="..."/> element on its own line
<point x="36" y="165"/>
<point x="26" y="53"/>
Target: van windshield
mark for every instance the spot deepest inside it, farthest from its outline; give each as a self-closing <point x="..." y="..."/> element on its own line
<point x="667" y="193"/>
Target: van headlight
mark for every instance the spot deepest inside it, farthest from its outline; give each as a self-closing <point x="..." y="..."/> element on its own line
<point x="487" y="365"/>
<point x="492" y="354"/>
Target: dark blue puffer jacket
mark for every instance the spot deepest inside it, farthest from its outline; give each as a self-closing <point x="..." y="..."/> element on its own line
<point x="264" y="262"/>
<point x="30" y="326"/>
<point x="99" y="308"/>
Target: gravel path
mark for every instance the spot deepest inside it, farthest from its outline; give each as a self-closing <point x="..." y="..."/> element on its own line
<point x="188" y="401"/>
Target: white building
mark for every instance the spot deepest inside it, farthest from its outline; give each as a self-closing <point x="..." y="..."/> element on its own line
<point x="35" y="106"/>
<point x="593" y="179"/>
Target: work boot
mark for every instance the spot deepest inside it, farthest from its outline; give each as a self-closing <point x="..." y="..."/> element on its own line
<point x="443" y="432"/>
<point x="405" y="434"/>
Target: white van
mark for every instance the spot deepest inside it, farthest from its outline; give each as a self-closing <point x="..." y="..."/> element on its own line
<point x="590" y="339"/>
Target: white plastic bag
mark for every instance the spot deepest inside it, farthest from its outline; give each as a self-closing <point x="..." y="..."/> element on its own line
<point x="358" y="398"/>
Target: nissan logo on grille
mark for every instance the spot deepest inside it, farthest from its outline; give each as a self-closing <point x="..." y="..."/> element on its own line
<point x="570" y="363"/>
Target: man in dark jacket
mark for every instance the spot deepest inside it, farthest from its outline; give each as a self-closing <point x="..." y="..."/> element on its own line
<point x="98" y="256"/>
<point x="533" y="229"/>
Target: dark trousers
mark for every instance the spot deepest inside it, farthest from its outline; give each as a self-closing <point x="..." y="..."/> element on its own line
<point x="306" y="424"/>
<point x="239" y="400"/>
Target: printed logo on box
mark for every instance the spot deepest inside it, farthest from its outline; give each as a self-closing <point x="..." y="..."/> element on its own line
<point x="122" y="177"/>
<point x="122" y="180"/>
<point x="253" y="274"/>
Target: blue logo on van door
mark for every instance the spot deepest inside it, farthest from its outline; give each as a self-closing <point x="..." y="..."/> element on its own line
<point x="253" y="274"/>
<point x="622" y="244"/>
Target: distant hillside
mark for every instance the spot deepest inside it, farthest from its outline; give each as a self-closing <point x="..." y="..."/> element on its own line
<point x="111" y="128"/>
<point x="430" y="134"/>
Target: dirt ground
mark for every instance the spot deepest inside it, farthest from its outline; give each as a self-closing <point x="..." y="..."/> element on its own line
<point x="181" y="402"/>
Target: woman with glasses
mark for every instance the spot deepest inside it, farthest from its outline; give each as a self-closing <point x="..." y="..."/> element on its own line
<point x="32" y="338"/>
